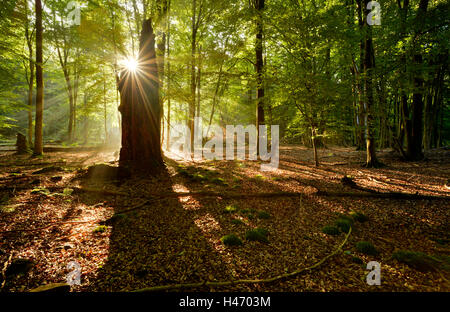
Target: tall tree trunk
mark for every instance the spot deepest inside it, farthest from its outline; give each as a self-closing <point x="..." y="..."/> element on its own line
<point x="38" y="144"/>
<point x="259" y="66"/>
<point x="30" y="79"/>
<point x="105" y="114"/>
<point x="371" y="158"/>
<point x="361" y="107"/>
<point x="161" y="52"/>
<point x="168" y="77"/>
<point x="414" y="150"/>
<point x="140" y="109"/>
<point x="195" y="20"/>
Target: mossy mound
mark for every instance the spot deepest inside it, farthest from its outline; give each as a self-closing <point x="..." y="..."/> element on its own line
<point x="366" y="248"/>
<point x="263" y="215"/>
<point x="231" y="240"/>
<point x="330" y="230"/>
<point x="343" y="224"/>
<point x="359" y="216"/>
<point x="257" y="234"/>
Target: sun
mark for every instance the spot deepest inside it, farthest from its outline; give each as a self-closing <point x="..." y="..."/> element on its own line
<point x="130" y="64"/>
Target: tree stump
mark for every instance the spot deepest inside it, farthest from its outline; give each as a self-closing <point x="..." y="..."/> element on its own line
<point x="140" y="109"/>
<point x="22" y="144"/>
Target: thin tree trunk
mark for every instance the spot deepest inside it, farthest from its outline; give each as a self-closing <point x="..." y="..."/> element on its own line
<point x="259" y="6"/>
<point x="371" y="158"/>
<point x="38" y="145"/>
<point x="195" y="20"/>
<point x="168" y="77"/>
<point x="30" y="80"/>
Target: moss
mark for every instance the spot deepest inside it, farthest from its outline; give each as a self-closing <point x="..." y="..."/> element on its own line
<point x="343" y="224"/>
<point x="263" y="215"/>
<point x="198" y="177"/>
<point x="231" y="240"/>
<point x="237" y="221"/>
<point x="230" y="209"/>
<point x="417" y="260"/>
<point x="218" y="181"/>
<point x="40" y="191"/>
<point x="257" y="234"/>
<point x="366" y="248"/>
<point x="359" y="216"/>
<point x="237" y="180"/>
<point x="100" y="229"/>
<point x="258" y="177"/>
<point x="330" y="230"/>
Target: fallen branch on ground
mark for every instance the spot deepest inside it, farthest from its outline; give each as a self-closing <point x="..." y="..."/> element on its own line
<point x="247" y="281"/>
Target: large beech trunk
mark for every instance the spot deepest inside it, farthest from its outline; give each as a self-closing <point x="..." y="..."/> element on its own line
<point x="141" y="110"/>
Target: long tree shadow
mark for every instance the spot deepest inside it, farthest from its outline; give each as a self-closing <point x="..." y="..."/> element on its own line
<point x="157" y="244"/>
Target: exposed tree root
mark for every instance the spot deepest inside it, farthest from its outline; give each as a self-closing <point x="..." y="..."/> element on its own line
<point x="247" y="281"/>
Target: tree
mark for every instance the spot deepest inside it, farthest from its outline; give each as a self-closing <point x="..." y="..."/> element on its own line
<point x="140" y="109"/>
<point x="258" y="5"/>
<point x="369" y="59"/>
<point x="38" y="141"/>
<point x="29" y="70"/>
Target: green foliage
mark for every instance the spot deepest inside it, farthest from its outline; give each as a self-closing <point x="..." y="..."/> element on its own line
<point x="330" y="230"/>
<point x="237" y="221"/>
<point x="219" y="181"/>
<point x="263" y="215"/>
<point x="230" y="209"/>
<point x="343" y="224"/>
<point x="231" y="240"/>
<point x="100" y="229"/>
<point x="67" y="191"/>
<point x="258" y="234"/>
<point x="40" y="191"/>
<point x="359" y="216"/>
<point x="366" y="248"/>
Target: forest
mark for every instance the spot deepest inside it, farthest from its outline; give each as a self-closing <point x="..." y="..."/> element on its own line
<point x="240" y="145"/>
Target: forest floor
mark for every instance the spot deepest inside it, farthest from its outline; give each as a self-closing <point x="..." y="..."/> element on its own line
<point x="160" y="235"/>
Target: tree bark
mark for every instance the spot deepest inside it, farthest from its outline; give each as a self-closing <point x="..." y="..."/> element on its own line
<point x="371" y="158"/>
<point x="141" y="111"/>
<point x="259" y="66"/>
<point x="414" y="150"/>
<point x="38" y="145"/>
<point x="30" y="80"/>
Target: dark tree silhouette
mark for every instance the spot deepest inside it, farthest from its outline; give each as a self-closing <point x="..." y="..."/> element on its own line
<point x="141" y="110"/>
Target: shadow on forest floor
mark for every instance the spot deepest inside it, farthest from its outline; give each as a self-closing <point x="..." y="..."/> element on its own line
<point x="168" y="239"/>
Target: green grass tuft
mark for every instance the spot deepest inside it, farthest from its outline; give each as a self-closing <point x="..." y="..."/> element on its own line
<point x="359" y="216"/>
<point x="257" y="234"/>
<point x="218" y="181"/>
<point x="330" y="230"/>
<point x="237" y="221"/>
<point x="100" y="229"/>
<point x="343" y="224"/>
<point x="231" y="240"/>
<point x="230" y="209"/>
<point x="366" y="248"/>
<point x="263" y="215"/>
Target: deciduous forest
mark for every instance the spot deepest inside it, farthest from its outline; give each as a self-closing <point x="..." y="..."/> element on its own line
<point x="240" y="145"/>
